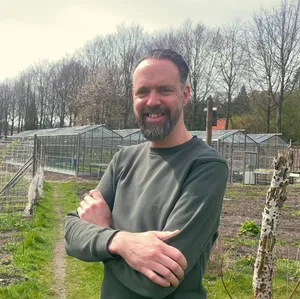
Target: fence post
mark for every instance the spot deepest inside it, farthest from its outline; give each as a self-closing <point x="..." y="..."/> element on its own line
<point x="34" y="161"/>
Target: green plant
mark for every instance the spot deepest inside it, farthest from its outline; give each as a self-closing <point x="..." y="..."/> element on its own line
<point x="297" y="213"/>
<point x="249" y="227"/>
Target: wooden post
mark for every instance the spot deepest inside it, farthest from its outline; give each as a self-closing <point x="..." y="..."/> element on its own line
<point x="34" y="161"/>
<point x="209" y="116"/>
<point x="276" y="196"/>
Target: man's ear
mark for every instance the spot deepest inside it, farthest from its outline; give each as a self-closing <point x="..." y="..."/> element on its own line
<point x="186" y="94"/>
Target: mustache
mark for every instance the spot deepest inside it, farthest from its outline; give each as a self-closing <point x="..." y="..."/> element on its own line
<point x="155" y="110"/>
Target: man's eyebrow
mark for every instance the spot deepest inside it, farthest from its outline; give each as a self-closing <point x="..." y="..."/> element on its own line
<point x="142" y="87"/>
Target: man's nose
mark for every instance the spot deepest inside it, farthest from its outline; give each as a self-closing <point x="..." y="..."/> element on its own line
<point x="153" y="99"/>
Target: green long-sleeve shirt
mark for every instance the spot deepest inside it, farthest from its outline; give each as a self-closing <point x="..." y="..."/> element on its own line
<point x="162" y="189"/>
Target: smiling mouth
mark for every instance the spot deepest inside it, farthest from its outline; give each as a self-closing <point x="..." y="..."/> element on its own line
<point x="154" y="115"/>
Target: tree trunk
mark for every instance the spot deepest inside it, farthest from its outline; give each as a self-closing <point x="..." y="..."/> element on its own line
<point x="268" y="115"/>
<point x="276" y="196"/>
<point x="228" y="117"/>
<point x="279" y="116"/>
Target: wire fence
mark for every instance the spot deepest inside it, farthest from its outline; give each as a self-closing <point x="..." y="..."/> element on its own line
<point x="19" y="161"/>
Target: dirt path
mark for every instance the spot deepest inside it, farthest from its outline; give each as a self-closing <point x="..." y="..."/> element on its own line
<point x="58" y="264"/>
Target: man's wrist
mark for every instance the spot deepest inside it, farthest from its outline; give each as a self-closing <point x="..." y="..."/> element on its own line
<point x="115" y="244"/>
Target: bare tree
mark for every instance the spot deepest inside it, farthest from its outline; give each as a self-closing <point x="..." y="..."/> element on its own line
<point x="98" y="102"/>
<point x="129" y="45"/>
<point x="68" y="79"/>
<point x="199" y="51"/>
<point x="41" y="81"/>
<point x="92" y="54"/>
<point x="273" y="44"/>
<point x="230" y="63"/>
<point x="5" y="97"/>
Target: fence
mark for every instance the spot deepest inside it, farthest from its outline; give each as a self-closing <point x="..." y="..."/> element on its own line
<point x="20" y="161"/>
<point x="296" y="164"/>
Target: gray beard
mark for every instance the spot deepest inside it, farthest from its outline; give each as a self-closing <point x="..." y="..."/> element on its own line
<point x="155" y="132"/>
<point x="158" y="131"/>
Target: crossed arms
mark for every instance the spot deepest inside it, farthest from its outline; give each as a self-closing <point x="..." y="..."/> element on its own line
<point x="152" y="262"/>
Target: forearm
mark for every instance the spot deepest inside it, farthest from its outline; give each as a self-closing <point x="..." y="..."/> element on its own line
<point x="86" y="241"/>
<point x="140" y="253"/>
<point x="136" y="281"/>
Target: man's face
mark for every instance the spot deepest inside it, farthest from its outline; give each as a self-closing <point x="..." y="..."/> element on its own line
<point x="158" y="97"/>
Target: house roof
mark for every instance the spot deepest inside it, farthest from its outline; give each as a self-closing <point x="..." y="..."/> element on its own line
<point x="221" y="124"/>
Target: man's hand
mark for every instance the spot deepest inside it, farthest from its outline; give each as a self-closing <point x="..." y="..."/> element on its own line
<point x="148" y="254"/>
<point x="93" y="208"/>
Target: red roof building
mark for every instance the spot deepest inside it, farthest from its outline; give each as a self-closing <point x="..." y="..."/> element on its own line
<point x="221" y="123"/>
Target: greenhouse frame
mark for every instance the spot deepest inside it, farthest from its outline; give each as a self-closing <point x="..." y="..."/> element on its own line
<point x="239" y="150"/>
<point x="267" y="148"/>
<point x="268" y="145"/>
<point x="131" y="136"/>
<point x="84" y="150"/>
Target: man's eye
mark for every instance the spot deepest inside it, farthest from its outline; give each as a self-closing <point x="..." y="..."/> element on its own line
<point x="141" y="92"/>
<point x="165" y="90"/>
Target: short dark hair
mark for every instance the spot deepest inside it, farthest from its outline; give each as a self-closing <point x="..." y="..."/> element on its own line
<point x="171" y="55"/>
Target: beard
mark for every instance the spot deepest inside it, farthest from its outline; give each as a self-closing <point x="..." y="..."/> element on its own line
<point x="159" y="130"/>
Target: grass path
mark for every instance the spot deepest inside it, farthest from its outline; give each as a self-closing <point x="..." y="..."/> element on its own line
<point x="58" y="263"/>
<point x="73" y="279"/>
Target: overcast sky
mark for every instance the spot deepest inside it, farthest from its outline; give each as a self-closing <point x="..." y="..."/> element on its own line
<point x="32" y="30"/>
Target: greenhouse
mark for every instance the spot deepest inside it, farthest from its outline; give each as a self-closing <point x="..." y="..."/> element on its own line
<point x="239" y="150"/>
<point x="267" y="148"/>
<point x="131" y="136"/>
<point x="84" y="150"/>
<point x="268" y="145"/>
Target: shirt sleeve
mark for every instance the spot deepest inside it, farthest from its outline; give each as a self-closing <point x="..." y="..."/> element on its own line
<point x="196" y="214"/>
<point x="87" y="241"/>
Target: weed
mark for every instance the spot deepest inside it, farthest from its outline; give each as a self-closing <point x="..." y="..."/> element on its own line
<point x="249" y="227"/>
<point x="297" y="213"/>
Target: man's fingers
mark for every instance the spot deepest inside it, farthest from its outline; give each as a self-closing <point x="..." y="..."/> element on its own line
<point x="176" y="269"/>
<point x="96" y="194"/>
<point x="155" y="278"/>
<point x="83" y="204"/>
<point x="166" y="234"/>
<point x="88" y="199"/>
<point x="176" y="256"/>
<point x="166" y="273"/>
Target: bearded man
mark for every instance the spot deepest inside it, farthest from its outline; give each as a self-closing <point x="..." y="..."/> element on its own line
<point x="154" y="216"/>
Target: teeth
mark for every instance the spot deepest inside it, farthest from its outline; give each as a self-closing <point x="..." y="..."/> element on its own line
<point x="155" y="115"/>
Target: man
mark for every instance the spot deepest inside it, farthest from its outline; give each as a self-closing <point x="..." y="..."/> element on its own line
<point x="154" y="216"/>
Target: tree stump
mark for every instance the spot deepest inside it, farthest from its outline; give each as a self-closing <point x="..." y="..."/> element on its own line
<point x="276" y="196"/>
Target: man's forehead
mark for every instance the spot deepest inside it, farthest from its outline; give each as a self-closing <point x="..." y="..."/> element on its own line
<point x="157" y="66"/>
<point x="155" y="61"/>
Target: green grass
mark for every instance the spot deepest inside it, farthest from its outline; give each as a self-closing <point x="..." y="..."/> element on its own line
<point x="238" y="274"/>
<point x="83" y="279"/>
<point x="34" y="240"/>
<point x="32" y="252"/>
<point x="247" y="190"/>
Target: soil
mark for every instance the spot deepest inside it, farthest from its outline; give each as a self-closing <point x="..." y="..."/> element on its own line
<point x="242" y="207"/>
